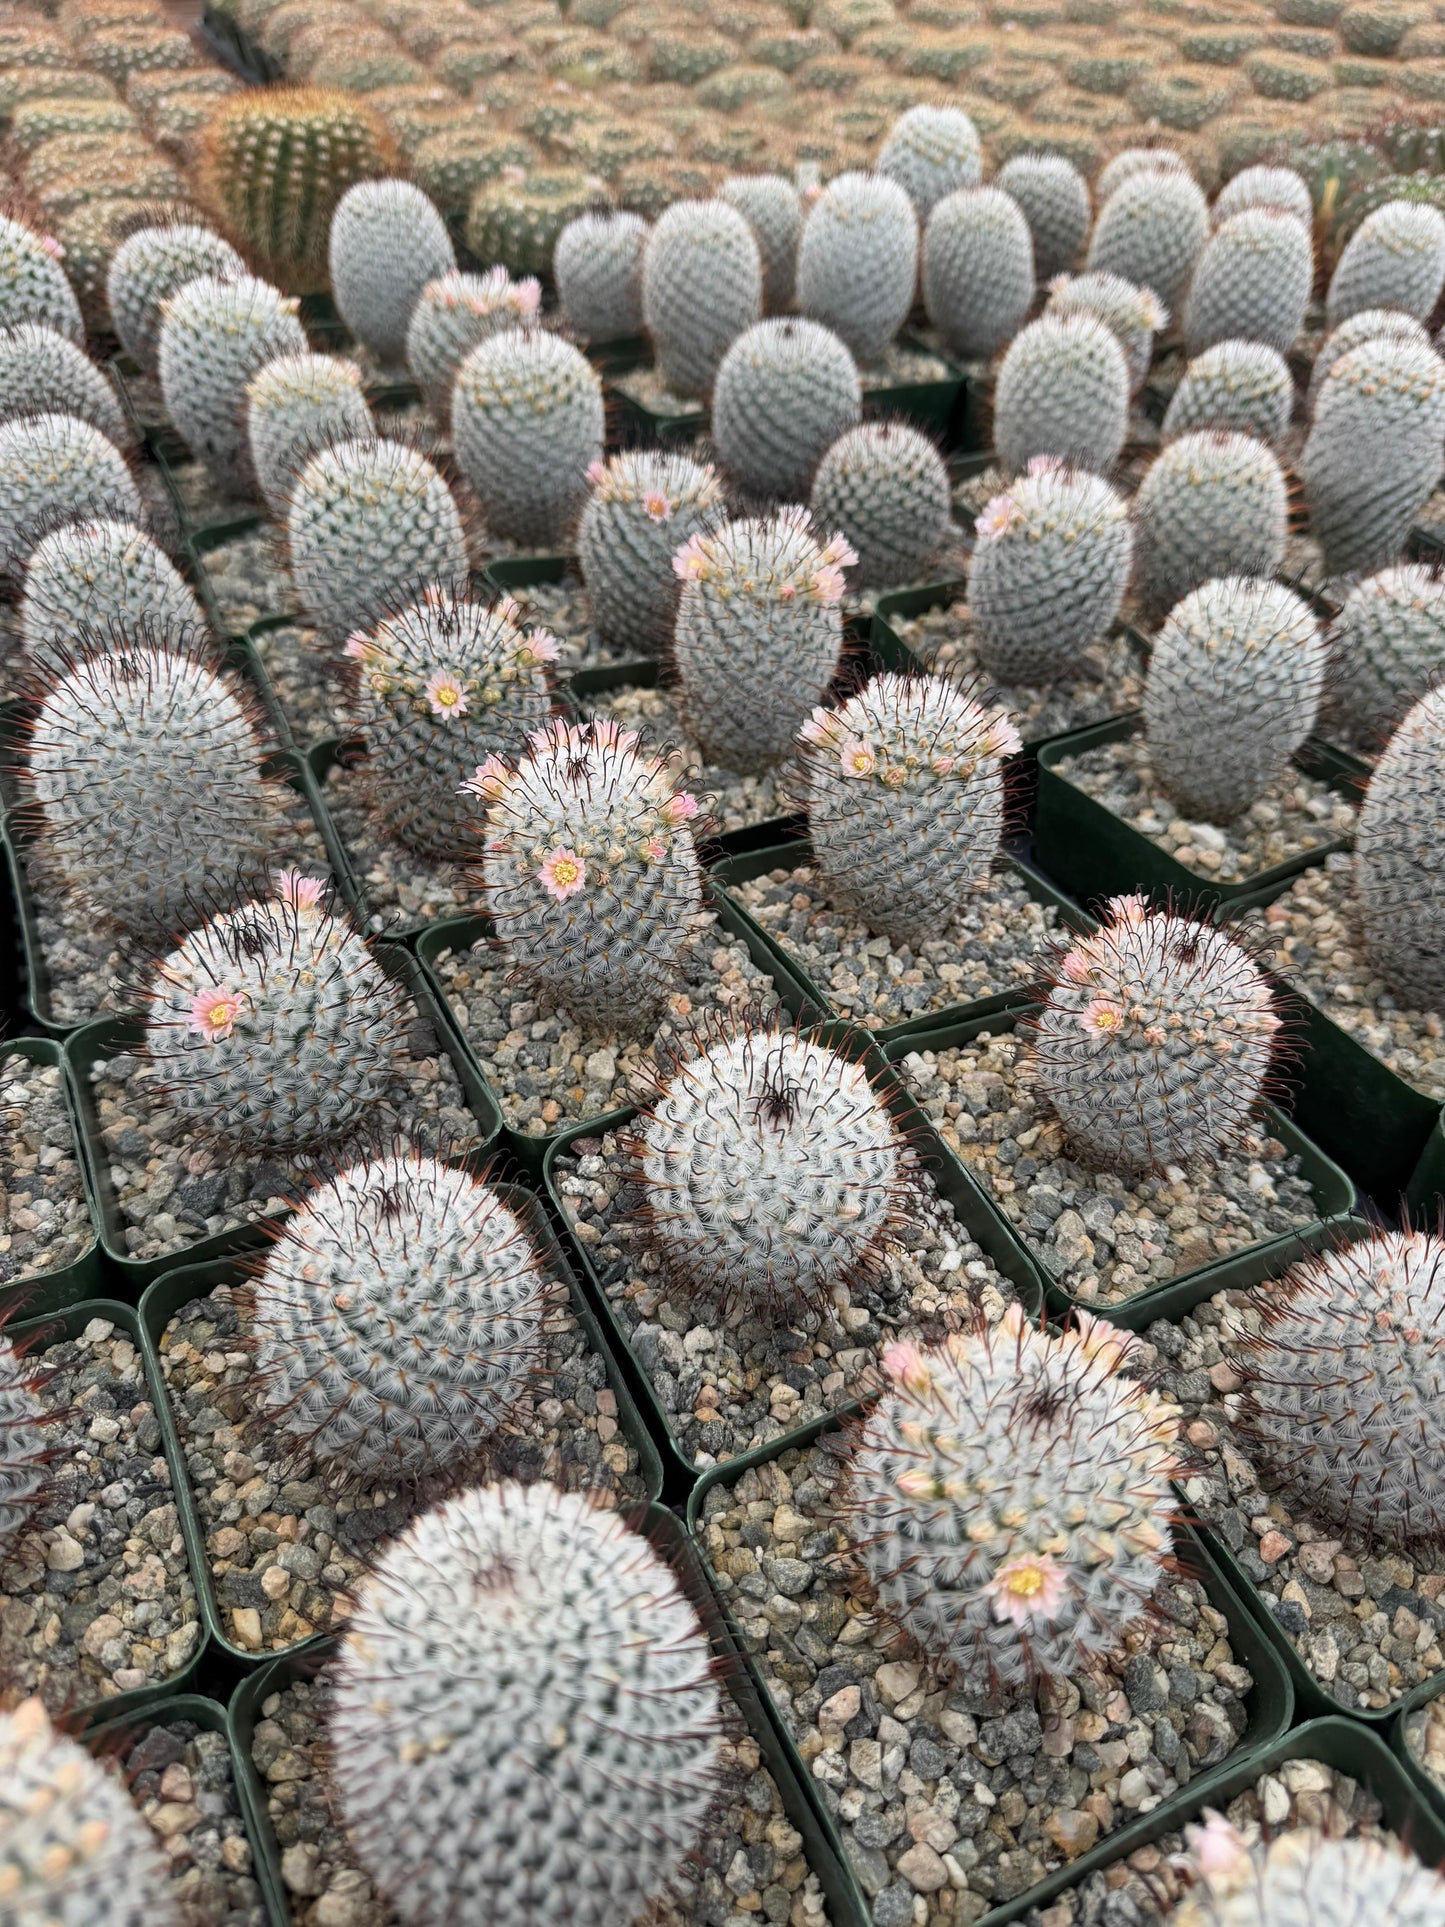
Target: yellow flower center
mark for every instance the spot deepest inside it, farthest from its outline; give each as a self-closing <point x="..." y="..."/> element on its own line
<point x="1025" y="1581"/>
<point x="565" y="871"/>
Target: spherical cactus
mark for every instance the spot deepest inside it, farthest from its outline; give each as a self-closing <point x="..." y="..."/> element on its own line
<point x="590" y="870"/>
<point x="858" y="261"/>
<point x="370" y="524"/>
<point x="1394" y="259"/>
<point x="1134" y="315"/>
<point x="1237" y="387"/>
<point x="74" y="1849"/>
<point x="274" y="1026"/>
<point x="215" y="335"/>
<point x="55" y="469"/>
<point x="399" y="1317"/>
<point x="1366" y="324"/>
<point x="525" y="1724"/>
<point x="1054" y="198"/>
<point x="296" y="405"/>
<point x="152" y="265"/>
<point x="457" y="313"/>
<point x="1007" y="1498"/>
<point x="1304" y="1877"/>
<point x="759" y="634"/>
<point x="527" y="425"/>
<point x="1278" y="187"/>
<point x="1135" y="161"/>
<point x="1063" y="389"/>
<point x="438" y="688"/>
<point x="702" y="284"/>
<point x="24" y="1449"/>
<point x="773" y="209"/>
<point x="884" y="485"/>
<point x="1051" y="564"/>
<point x="1374" y="453"/>
<point x="645" y="503"/>
<point x="102" y="583"/>
<point x="44" y="373"/>
<point x="1387" y="648"/>
<point x="1398" y="874"/>
<point x="1211" y="504"/>
<point x="597" y="265"/>
<point x="978" y="270"/>
<point x="386" y="242"/>
<point x="785" y="391"/>
<point x="33" y="286"/>
<point x="1155" y="1042"/>
<point x="1252" y="281"/>
<point x="930" y="152"/>
<point x="1150" y="230"/>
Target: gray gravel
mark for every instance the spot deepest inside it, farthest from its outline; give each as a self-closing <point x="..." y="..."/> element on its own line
<point x="181" y="1778"/>
<point x="96" y="1597"/>
<point x="398" y="884"/>
<point x="1424" y="1732"/>
<point x="44" y="1219"/>
<point x="305" y="674"/>
<point x="739" y="802"/>
<point x="247" y="578"/>
<point x="566" y="609"/>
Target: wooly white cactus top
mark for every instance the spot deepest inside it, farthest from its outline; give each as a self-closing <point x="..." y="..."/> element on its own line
<point x="23" y="1452"/>
<point x="885" y="487"/>
<point x="1304" y="1879"/>
<point x="1008" y="1497"/>
<point x="1062" y="389"/>
<point x="1394" y="259"/>
<point x="1138" y="160"/>
<point x="108" y="583"/>
<point x="525" y="1722"/>
<point x="773" y="209"/>
<point x="1134" y="315"/>
<point x="1242" y="387"/>
<point x="456" y="313"/>
<point x="56" y="469"/>
<point x="1367" y="324"/>
<point x="387" y="242"/>
<point x="215" y="335"/>
<point x="33" y="286"/>
<point x="1277" y="187"/>
<point x="644" y="504"/>
<point x="527" y="425"/>
<point x="43" y="372"/>
<point x="149" y="267"/>
<point x="931" y="151"/>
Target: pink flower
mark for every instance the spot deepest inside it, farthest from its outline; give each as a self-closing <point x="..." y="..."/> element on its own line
<point x="692" y="559"/>
<point x="828" y="585"/>
<point x="596" y="471"/>
<point x="445" y="694"/>
<point x="1029" y="1587"/>
<point x="856" y="757"/>
<point x="787" y="590"/>
<point x="528" y="295"/>
<point x="301" y="892"/>
<point x="1076" y="968"/>
<point x="1127" y="910"/>
<point x="895" y="777"/>
<point x="841" y="552"/>
<point x="998" y="517"/>
<point x="681" y="808"/>
<point x="654" y="849"/>
<point x="52" y="247"/>
<point x="490" y="781"/>
<point x="541" y="645"/>
<point x="563" y="873"/>
<point x="1002" y="739"/>
<point x="657" y="506"/>
<point x="943" y="765"/>
<point x="1046" y="464"/>
<point x="359" y="647"/>
<point x="1218" y="1848"/>
<point x="213" y="1012"/>
<point x="818" y="729"/>
<point x="507" y="609"/>
<point x="905" y="1365"/>
<point x="1101" y="1019"/>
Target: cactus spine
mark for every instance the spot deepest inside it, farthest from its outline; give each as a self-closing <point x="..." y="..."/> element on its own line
<point x="773" y="209"/>
<point x="296" y="405"/>
<point x="105" y="583"/>
<point x="44" y="373"/>
<point x="597" y="265"/>
<point x="33" y="286"/>
<point x="1133" y="314"/>
<point x="702" y="284"/>
<point x="785" y="391"/>
<point x="527" y="425"/>
<point x="55" y="469"/>
<point x="152" y="265"/>
<point x="858" y="261"/>
<point x="1304" y="1876"/>
<point x="1252" y="282"/>
<point x="1238" y="387"/>
<point x="930" y="152"/>
<point x="1277" y="187"/>
<point x="1150" y="230"/>
<point x="1394" y="259"/>
<point x="1387" y="648"/>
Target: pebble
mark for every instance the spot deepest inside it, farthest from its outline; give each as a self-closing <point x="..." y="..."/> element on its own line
<point x="180" y="1777"/>
<point x="44" y="1218"/>
<point x="1424" y="1731"/>
<point x="737" y="802"/>
<point x="398" y="884"/>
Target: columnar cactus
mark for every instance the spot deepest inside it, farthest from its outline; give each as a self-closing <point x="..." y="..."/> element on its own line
<point x="932" y="151"/>
<point x="1238" y="387"/>
<point x="1063" y="389"/>
<point x="296" y="405"/>
<point x="215" y="335"/>
<point x="55" y="469"/>
<point x="525" y="1724"/>
<point x="773" y="209"/>
<point x="1366" y="324"/>
<point x="1007" y="1498"/>
<point x="370" y="524"/>
<point x="884" y="485"/>
<point x="1279" y="187"/>
<point x="44" y="373"/>
<point x="1155" y="1042"/>
<point x="590" y="870"/>
<point x="1054" y="198"/>
<point x="1135" y="315"/>
<point x="597" y="265"/>
<point x="645" y="503"/>
<point x="1303" y="1876"/>
<point x="24" y="1449"/>
<point x="387" y="241"/>
<point x="978" y="270"/>
<point x="152" y="265"/>
<point x="1387" y="647"/>
<point x="1398" y="875"/>
<point x="858" y="261"/>
<point x="1212" y="504"/>
<point x="759" y="634"/>
<point x="1234" y="686"/>
<point x="1051" y="563"/>
<point x="106" y="584"/>
<point x="33" y="286"/>
<point x="527" y="424"/>
<point x="399" y="1318"/>
<point x="785" y="391"/>
<point x="1394" y="259"/>
<point x="702" y="284"/>
<point x="1251" y="282"/>
<point x="1150" y="230"/>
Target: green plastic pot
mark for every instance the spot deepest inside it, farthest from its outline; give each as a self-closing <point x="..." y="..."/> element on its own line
<point x="939" y="408"/>
<point x="1269" y="1706"/>
<point x="1431" y="1796"/>
<point x="527" y="571"/>
<point x="902" y="604"/>
<point x="49" y="1291"/>
<point x="1425" y="1193"/>
<point x="631" y="423"/>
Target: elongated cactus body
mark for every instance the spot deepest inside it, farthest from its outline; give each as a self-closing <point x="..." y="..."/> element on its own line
<point x="1279" y="187"/>
<point x="597" y="265"/>
<point x="884" y="485"/>
<point x="152" y="265"/>
<point x="1305" y="1879"/>
<point x="773" y="209"/>
<point x="215" y="336"/>
<point x="1150" y="230"/>
<point x="106" y="584"/>
<point x="1252" y="282"/>
<point x="932" y="151"/>
<point x="644" y="505"/>
<point x="702" y="284"/>
<point x="1394" y="259"/>
<point x="44" y="373"/>
<point x="785" y="391"/>
<point x="1134" y="315"/>
<point x="1237" y="387"/>
<point x="1387" y="648"/>
<point x="386" y="242"/>
<point x="858" y="261"/>
<point x="1212" y="504"/>
<point x="527" y="425"/>
<point x="33" y="286"/>
<point x="55" y="469"/>
<point x="296" y="405"/>
<point x="1054" y="198"/>
<point x="455" y="314"/>
<point x="1063" y="389"/>
<point x="1366" y="324"/>
<point x="1398" y="875"/>
<point x="978" y="270"/>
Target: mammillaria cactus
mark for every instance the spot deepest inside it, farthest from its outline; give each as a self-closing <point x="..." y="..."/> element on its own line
<point x="931" y="151"/>
<point x="1155" y="1042"/>
<point x="773" y="209"/>
<point x="437" y="689"/>
<point x="1304" y="1879"/>
<point x="645" y="504"/>
<point x="55" y="469"/>
<point x="858" y="261"/>
<point x="1259" y="186"/>
<point x="1211" y="504"/>
<point x="1234" y="686"/>
<point x="386" y="242"/>
<point x="1051" y="563"/>
<point x="215" y="336"/>
<point x="1134" y="315"/>
<point x="370" y="524"/>
<point x="1007" y="1498"/>
<point x="148" y="268"/>
<point x="296" y="405"/>
<point x="978" y="270"/>
<point x="574" y="1774"/>
<point x="590" y="869"/>
<point x="702" y="284"/>
<point x="1394" y="259"/>
<point x="274" y="1026"/>
<point x="1251" y="282"/>
<point x="456" y="313"/>
<point x="1366" y="324"/>
<point x="399" y="1317"/>
<point x="44" y="373"/>
<point x="1398" y="877"/>
<point x="1150" y="230"/>
<point x="785" y="390"/>
<point x="1063" y="389"/>
<point x="102" y="583"/>
<point x="1133" y="161"/>
<point x="24" y="1451"/>
<point x="33" y="286"/>
<point x="527" y="425"/>
<point x="597" y="265"/>
<point x="884" y="485"/>
<point x="1239" y="387"/>
<point x="1054" y="198"/>
<point x="1387" y="648"/>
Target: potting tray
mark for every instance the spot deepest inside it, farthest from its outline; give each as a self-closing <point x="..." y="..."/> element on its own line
<point x="37" y="1292"/>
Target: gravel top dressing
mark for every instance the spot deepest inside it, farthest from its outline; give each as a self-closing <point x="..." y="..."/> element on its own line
<point x="566" y="609"/>
<point x="398" y="884"/>
<point x="738" y="802"/>
<point x="44" y="1219"/>
<point x="305" y="674"/>
<point x="1424" y="1732"/>
<point x="248" y="577"/>
<point x="180" y="1776"/>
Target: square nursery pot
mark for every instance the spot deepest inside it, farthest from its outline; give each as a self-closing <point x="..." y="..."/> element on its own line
<point x="110" y="1036"/>
<point x="503" y="572"/>
<point x="166" y="1296"/>
<point x="1269" y="1706"/>
<point x="972" y="1209"/>
<point x="631" y="423"/>
<point x="939" y="407"/>
<point x="1430" y="1796"/>
<point x="846" y="1905"/>
<point x="1331" y="1191"/>
<point x="44" y="1292"/>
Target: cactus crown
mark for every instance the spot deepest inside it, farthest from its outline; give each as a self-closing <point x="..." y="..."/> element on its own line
<point x="56" y="469"/>
<point x="1054" y="197"/>
<point x="930" y="151"/>
<point x="1242" y="387"/>
<point x="33" y="286"/>
<point x="1304" y="1877"/>
<point x="296" y="405"/>
<point x="1133" y="314"/>
<point x="1277" y="187"/>
<point x="597" y="263"/>
<point x="885" y="487"/>
<point x="43" y="372"/>
<point x="103" y="583"/>
<point x="148" y="268"/>
<point x="644" y="504"/>
<point x="456" y="313"/>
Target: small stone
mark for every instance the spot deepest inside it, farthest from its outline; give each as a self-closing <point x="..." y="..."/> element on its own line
<point x="1272" y="1546"/>
<point x="246" y="1625"/>
<point x="64" y="1554"/>
<point x="922" y="1868"/>
<point x="1073" y="1832"/>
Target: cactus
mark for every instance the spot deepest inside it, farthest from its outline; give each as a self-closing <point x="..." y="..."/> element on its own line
<point x="516" y="222"/>
<point x="296" y="405"/>
<point x="371" y="524"/>
<point x="1233" y="689"/>
<point x="702" y="284"/>
<point x="102" y="582"/>
<point x="858" y="261"/>
<point x="1155" y="1042"/>
<point x="1063" y="389"/>
<point x="525" y="1724"/>
<point x="33" y="286"/>
<point x="437" y="689"/>
<point x="1050" y="567"/>
<point x="527" y="426"/>
<point x="24" y="1454"/>
<point x="645" y="504"/>
<point x="398" y="1319"/>
<point x="1277" y="187"/>
<point x="1054" y="198"/>
<point x="1374" y="453"/>
<point x="215" y="335"/>
<point x="456" y="313"/>
<point x="773" y="209"/>
<point x="930" y="152"/>
<point x="1134" y="162"/>
<point x="1387" y="647"/>
<point x="785" y="391"/>
<point x="55" y="469"/>
<point x="1239" y="387"/>
<point x="1007" y="1498"/>
<point x="152" y="265"/>
<point x="387" y="242"/>
<point x="1394" y="259"/>
<point x="42" y="372"/>
<point x="458" y="157"/>
<point x="1303" y="1876"/>
<point x="1134" y="315"/>
<point x="1211" y="504"/>
<point x="1398" y="877"/>
<point x="1252" y="282"/>
<point x="597" y="264"/>
<point x="885" y="487"/>
<point x="1150" y="231"/>
<point x="273" y="1025"/>
<point x="1367" y="324"/>
<point x="759" y="634"/>
<point x="590" y="870"/>
<point x="978" y="270"/>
